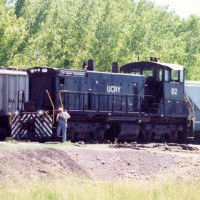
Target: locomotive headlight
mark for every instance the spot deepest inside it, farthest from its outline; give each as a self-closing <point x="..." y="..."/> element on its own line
<point x="40" y="112"/>
<point x="16" y="112"/>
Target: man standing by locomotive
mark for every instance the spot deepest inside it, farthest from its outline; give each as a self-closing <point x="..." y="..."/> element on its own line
<point x="62" y="118"/>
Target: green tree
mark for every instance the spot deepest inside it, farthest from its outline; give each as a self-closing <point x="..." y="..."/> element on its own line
<point x="12" y="31"/>
<point x="190" y="32"/>
<point x="64" y="33"/>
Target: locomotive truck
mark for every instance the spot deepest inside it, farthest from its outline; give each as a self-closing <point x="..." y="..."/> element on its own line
<point x="141" y="101"/>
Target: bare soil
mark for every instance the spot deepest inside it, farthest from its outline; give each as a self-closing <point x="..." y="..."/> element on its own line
<point x="150" y="162"/>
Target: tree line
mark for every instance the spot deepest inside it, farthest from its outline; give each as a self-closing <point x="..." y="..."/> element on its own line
<point x="64" y="33"/>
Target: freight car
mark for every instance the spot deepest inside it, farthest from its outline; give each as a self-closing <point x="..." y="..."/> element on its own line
<point x="146" y="101"/>
<point x="12" y="83"/>
<point x="193" y="95"/>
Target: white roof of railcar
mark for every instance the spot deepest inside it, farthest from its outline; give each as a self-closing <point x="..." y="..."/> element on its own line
<point x="192" y="83"/>
<point x="173" y="66"/>
<point x="12" y="72"/>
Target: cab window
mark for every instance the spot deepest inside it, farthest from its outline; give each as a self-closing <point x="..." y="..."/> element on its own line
<point x="159" y="75"/>
<point x="174" y="75"/>
<point x="136" y="71"/>
<point x="181" y="76"/>
<point x="166" y="75"/>
<point x="148" y="72"/>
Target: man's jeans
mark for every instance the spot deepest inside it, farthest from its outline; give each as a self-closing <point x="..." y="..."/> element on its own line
<point x="62" y="127"/>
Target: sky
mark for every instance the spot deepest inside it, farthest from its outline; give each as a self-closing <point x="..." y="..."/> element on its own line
<point x="183" y="8"/>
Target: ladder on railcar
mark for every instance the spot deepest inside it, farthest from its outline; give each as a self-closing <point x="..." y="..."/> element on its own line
<point x="191" y="118"/>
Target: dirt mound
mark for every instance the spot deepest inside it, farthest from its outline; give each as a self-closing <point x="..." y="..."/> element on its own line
<point x="141" y="164"/>
<point x="37" y="164"/>
<point x="138" y="164"/>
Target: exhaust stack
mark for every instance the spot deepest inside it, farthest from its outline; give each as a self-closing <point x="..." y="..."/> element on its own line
<point x="90" y="65"/>
<point x="115" y="67"/>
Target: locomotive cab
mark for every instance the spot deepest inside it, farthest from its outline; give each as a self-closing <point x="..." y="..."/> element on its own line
<point x="164" y="101"/>
<point x="174" y="99"/>
<point x="164" y="88"/>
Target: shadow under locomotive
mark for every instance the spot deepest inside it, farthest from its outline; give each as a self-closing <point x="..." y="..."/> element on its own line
<point x="144" y="102"/>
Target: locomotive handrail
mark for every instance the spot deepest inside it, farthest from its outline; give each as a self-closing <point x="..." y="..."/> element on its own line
<point x="62" y="91"/>
<point x="115" y="103"/>
<point x="52" y="105"/>
<point x="109" y="97"/>
<point x="111" y="94"/>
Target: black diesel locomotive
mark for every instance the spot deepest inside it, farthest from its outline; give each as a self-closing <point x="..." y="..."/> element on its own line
<point x="145" y="101"/>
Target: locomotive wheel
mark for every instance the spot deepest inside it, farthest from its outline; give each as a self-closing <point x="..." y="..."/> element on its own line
<point x="140" y="138"/>
<point x="167" y="137"/>
<point x="109" y="135"/>
<point x="73" y="137"/>
<point x="3" y="134"/>
<point x="182" y="135"/>
<point x="162" y="138"/>
<point x="197" y="139"/>
<point x="153" y="137"/>
<point x="91" y="137"/>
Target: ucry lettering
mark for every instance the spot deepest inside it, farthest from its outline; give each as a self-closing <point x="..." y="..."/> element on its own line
<point x="113" y="89"/>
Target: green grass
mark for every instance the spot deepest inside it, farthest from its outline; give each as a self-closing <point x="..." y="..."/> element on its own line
<point x="79" y="189"/>
<point x="14" y="145"/>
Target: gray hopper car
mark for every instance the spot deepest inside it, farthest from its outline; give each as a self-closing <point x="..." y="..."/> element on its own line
<point x="192" y="89"/>
<point x="12" y="82"/>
